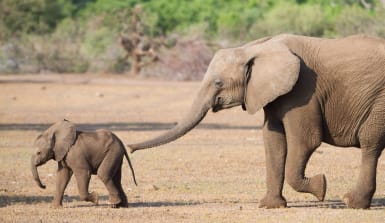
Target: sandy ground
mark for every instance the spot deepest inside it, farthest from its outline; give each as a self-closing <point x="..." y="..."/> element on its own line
<point x="216" y="173"/>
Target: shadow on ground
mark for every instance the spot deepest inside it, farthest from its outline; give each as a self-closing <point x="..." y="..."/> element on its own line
<point x="6" y="200"/>
<point x="125" y="126"/>
<point x="377" y="203"/>
<point x="67" y="200"/>
<point x="165" y="204"/>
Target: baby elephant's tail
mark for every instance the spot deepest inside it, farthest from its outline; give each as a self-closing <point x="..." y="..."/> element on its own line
<point x="129" y="162"/>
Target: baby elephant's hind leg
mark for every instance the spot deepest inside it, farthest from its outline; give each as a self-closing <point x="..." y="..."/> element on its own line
<point x="107" y="171"/>
<point x="118" y="183"/>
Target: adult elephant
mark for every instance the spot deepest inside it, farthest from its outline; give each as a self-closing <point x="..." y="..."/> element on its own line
<point x="312" y="90"/>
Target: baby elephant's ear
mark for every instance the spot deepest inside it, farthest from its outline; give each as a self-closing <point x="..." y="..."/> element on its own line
<point x="64" y="138"/>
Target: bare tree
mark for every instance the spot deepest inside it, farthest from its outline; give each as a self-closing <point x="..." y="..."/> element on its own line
<point x="137" y="45"/>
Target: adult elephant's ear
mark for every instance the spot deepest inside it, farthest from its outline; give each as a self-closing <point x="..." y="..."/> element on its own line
<point x="272" y="71"/>
<point x="64" y="136"/>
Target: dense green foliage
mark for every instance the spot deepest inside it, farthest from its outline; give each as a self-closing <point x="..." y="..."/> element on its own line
<point x="88" y="29"/>
<point x="235" y="19"/>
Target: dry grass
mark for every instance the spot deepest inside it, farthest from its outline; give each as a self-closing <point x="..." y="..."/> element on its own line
<point x="216" y="173"/>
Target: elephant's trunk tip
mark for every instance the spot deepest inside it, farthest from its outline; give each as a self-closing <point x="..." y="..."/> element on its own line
<point x="132" y="149"/>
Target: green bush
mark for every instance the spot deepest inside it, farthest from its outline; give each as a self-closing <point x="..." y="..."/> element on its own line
<point x="292" y="18"/>
<point x="82" y="35"/>
<point x="353" y="20"/>
<point x="31" y="16"/>
<point x="236" y="24"/>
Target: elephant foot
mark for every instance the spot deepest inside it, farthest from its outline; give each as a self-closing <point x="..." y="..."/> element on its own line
<point x="119" y="205"/>
<point x="123" y="205"/>
<point x="115" y="201"/>
<point x="114" y="205"/>
<point x="94" y="198"/>
<point x="124" y="202"/>
<point x="357" y="202"/>
<point x="273" y="202"/>
<point x="315" y="185"/>
<point x="318" y="186"/>
<point x="55" y="205"/>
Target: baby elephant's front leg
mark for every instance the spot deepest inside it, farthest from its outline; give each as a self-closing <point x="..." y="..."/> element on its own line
<point x="63" y="176"/>
<point x="83" y="179"/>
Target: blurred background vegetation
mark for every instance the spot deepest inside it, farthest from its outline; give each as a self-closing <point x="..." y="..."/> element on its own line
<point x="85" y="36"/>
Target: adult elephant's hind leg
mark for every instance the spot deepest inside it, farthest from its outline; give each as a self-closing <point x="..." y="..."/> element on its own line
<point x="362" y="194"/>
<point x="275" y="150"/>
<point x="372" y="140"/>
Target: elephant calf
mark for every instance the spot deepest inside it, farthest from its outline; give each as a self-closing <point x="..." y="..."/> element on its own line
<point x="82" y="153"/>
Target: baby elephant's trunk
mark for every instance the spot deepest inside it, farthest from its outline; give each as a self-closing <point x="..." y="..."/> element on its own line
<point x="35" y="173"/>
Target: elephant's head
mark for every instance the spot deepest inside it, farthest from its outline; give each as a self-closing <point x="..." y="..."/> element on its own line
<point x="54" y="143"/>
<point x="251" y="75"/>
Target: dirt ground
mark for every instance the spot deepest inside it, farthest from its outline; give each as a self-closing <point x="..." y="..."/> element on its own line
<point x="216" y="173"/>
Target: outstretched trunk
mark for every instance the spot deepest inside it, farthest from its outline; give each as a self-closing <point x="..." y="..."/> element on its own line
<point x="35" y="173"/>
<point x="197" y="112"/>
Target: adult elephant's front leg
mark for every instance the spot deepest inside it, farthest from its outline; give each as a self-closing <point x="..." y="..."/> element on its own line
<point x="275" y="150"/>
<point x="297" y="157"/>
<point x="303" y="137"/>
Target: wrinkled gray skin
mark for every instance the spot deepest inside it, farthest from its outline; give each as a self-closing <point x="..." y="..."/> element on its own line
<point x="312" y="90"/>
<point x="82" y="154"/>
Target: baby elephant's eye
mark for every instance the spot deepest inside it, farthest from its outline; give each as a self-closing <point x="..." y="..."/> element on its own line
<point x="218" y="83"/>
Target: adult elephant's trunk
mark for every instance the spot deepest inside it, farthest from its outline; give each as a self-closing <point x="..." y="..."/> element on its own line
<point x="197" y="112"/>
<point x="35" y="173"/>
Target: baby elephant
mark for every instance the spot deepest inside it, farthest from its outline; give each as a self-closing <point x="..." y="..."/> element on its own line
<point x="82" y="154"/>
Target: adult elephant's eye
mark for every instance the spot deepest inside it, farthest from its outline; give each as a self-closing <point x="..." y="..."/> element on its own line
<point x="218" y="83"/>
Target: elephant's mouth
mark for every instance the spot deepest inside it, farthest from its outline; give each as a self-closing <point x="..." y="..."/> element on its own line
<point x="219" y="107"/>
<point x="216" y="108"/>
